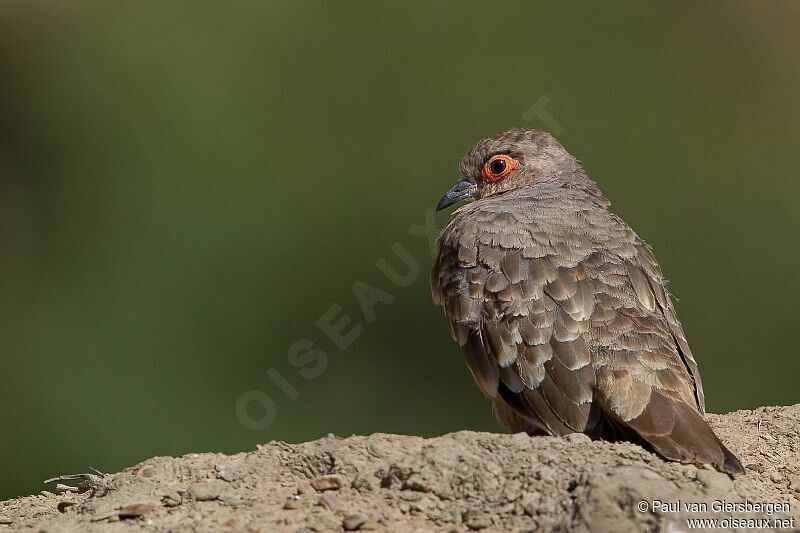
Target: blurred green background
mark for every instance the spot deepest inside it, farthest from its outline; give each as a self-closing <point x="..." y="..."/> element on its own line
<point x="186" y="187"/>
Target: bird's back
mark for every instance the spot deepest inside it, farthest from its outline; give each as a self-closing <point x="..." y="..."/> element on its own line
<point x="563" y="317"/>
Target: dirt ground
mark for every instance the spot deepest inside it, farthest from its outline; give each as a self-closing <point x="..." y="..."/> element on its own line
<point x="457" y="482"/>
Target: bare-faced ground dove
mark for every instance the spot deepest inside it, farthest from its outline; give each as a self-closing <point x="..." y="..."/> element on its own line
<point x="561" y="310"/>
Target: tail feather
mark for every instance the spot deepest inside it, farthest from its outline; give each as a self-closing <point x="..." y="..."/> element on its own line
<point x="679" y="432"/>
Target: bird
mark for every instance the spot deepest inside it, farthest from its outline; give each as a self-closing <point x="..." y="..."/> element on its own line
<point x="561" y="311"/>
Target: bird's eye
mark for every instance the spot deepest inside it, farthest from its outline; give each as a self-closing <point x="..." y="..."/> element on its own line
<point x="498" y="167"/>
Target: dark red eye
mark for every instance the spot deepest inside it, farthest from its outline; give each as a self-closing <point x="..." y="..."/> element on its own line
<point x="498" y="167"/>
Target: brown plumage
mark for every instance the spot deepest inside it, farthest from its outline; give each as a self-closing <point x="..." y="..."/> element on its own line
<point x="561" y="310"/>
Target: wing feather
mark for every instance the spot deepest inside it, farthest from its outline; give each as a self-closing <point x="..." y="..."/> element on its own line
<point x="565" y="323"/>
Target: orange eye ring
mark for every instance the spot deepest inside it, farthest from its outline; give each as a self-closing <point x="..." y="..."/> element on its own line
<point x="498" y="167"/>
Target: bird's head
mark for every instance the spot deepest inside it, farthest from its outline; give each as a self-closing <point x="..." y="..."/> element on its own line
<point x="512" y="160"/>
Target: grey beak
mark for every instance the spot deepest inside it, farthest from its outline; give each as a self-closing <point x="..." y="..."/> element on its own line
<point x="463" y="190"/>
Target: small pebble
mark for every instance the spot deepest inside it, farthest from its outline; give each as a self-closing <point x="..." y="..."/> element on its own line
<point x="353" y="522"/>
<point x="171" y="500"/>
<point x="327" y="482"/>
<point x="479" y="522"/>
<point x="228" y="472"/>
<point x="361" y="484"/>
<point x="577" y="438"/>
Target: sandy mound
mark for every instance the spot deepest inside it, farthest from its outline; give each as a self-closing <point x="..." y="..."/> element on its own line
<point x="457" y="482"/>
